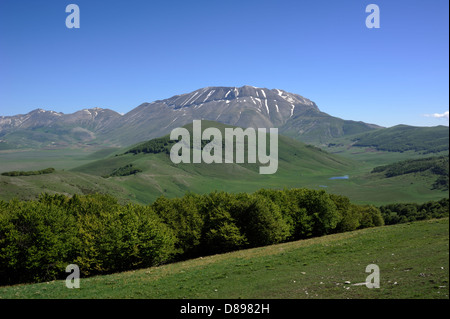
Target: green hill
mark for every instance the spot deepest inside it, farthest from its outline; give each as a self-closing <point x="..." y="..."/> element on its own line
<point x="299" y="164"/>
<point x="403" y="138"/>
<point x="435" y="167"/>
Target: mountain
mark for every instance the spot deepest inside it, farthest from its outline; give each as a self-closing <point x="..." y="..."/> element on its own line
<point x="247" y="106"/>
<point x="41" y="128"/>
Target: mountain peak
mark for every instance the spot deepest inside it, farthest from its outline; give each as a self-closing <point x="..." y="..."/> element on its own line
<point x="259" y="99"/>
<point x="39" y="110"/>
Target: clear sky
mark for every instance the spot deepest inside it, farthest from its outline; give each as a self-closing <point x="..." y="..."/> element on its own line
<point x="129" y="52"/>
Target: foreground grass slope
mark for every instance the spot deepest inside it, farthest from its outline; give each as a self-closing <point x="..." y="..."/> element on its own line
<point x="413" y="260"/>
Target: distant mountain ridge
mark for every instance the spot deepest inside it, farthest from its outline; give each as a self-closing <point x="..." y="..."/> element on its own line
<point x="41" y="128"/>
<point x="39" y="117"/>
<point x="246" y="106"/>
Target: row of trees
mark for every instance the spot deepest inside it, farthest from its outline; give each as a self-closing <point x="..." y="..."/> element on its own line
<point x="29" y="173"/>
<point x="38" y="239"/>
<point x="219" y="222"/>
<point x="403" y="213"/>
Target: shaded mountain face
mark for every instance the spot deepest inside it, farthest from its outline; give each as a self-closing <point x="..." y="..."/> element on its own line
<point x="247" y="106"/>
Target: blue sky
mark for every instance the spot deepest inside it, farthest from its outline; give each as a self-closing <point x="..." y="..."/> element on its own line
<point x="129" y="52"/>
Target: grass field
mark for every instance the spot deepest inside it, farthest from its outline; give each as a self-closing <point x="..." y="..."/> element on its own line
<point x="413" y="259"/>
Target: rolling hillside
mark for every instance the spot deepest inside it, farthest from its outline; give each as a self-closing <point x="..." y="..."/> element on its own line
<point x="403" y="138"/>
<point x="388" y="145"/>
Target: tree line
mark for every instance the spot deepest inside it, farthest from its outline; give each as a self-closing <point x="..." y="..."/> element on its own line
<point x="29" y="173"/>
<point x="409" y="212"/>
<point x="38" y="239"/>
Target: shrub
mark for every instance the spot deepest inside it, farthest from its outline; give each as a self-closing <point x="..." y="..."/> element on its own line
<point x="183" y="217"/>
<point x="350" y="214"/>
<point x="260" y="220"/>
<point x="318" y="214"/>
<point x="122" y="238"/>
<point x="370" y="216"/>
<point x="37" y="241"/>
<point x="220" y="232"/>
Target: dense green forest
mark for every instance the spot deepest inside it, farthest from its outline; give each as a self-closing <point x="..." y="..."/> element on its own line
<point x="29" y="173"/>
<point x="435" y="165"/>
<point x="38" y="239"/>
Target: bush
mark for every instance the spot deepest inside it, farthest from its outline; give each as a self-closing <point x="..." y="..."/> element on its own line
<point x="350" y="214"/>
<point x="370" y="216"/>
<point x="183" y="217"/>
<point x="39" y="239"/>
<point x="220" y="232"/>
<point x="317" y="213"/>
<point x="260" y="220"/>
<point x="121" y="238"/>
